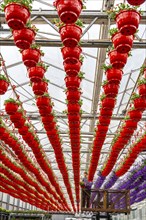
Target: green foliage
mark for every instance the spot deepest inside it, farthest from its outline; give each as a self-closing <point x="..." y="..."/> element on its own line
<point x="135" y="96"/>
<point x="141" y="81"/>
<point x="81" y="75"/>
<point x="105" y="67"/>
<point x="10" y="100"/>
<point x="113" y="31"/>
<point x="142" y="69"/>
<point x="41" y="64"/>
<point x="37" y="47"/>
<point x="2" y="77"/>
<point x="31" y="26"/>
<point x="120" y="7"/>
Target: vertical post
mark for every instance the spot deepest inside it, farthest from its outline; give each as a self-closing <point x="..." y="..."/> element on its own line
<point x="105" y="200"/>
<point x="97" y="216"/>
<point x="81" y="199"/>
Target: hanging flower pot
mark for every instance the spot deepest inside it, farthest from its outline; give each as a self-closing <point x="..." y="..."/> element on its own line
<point x="68" y="10"/>
<point x="135" y="2"/>
<point x="128" y="21"/>
<point x="106" y="112"/>
<point x="114" y="75"/>
<point x="110" y="89"/>
<point x="104" y="120"/>
<point x="16" y="117"/>
<point x="30" y="57"/>
<point x="71" y="55"/>
<point x="142" y="87"/>
<point x="39" y="88"/>
<point x="139" y="102"/>
<point x="11" y="106"/>
<point x="130" y="124"/>
<point x="102" y="128"/>
<point x="45" y="111"/>
<point x="4" y="84"/>
<point x="43" y="102"/>
<point x="23" y="38"/>
<point x="36" y="73"/>
<point x="72" y="82"/>
<point x="73" y="95"/>
<point x="73" y="107"/>
<point x="122" y="43"/>
<point x="16" y="15"/>
<point x="70" y="35"/>
<point x="20" y="123"/>
<point x="48" y="119"/>
<point x="72" y="69"/>
<point x="135" y="114"/>
<point x="117" y="60"/>
<point x="23" y="130"/>
<point x="108" y="103"/>
<point x="74" y="117"/>
<point x="142" y="90"/>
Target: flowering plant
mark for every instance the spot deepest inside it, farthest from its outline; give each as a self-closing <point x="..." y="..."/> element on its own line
<point x="142" y="69"/>
<point x="141" y="81"/>
<point x="120" y="7"/>
<point x="113" y="31"/>
<point x="135" y="96"/>
<point x="60" y="24"/>
<point x="2" y="77"/>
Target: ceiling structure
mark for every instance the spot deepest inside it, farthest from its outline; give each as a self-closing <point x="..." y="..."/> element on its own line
<point x="94" y="42"/>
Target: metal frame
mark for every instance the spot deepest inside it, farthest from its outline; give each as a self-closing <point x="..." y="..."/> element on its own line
<point x="90" y="18"/>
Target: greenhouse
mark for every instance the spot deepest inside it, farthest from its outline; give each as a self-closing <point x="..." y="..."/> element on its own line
<point x="73" y="109"/>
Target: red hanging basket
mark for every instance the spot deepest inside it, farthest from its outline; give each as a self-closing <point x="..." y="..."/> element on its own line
<point x="36" y="73"/>
<point x="106" y="112"/>
<point x="122" y="43"/>
<point x="118" y="60"/>
<point x="47" y="119"/>
<point x="128" y="22"/>
<point x="73" y="95"/>
<point x="70" y="35"/>
<point x="114" y="75"/>
<point x="135" y="2"/>
<point x="23" y="38"/>
<point x="104" y="120"/>
<point x="43" y="102"/>
<point x="30" y="57"/>
<point x="39" y="88"/>
<point x="3" y="86"/>
<point x="72" y="82"/>
<point x="130" y="124"/>
<point x="142" y="90"/>
<point x="23" y="130"/>
<point x="111" y="90"/>
<point x="135" y="115"/>
<point x="16" y="117"/>
<point x="72" y="69"/>
<point x="102" y="128"/>
<point x="71" y="55"/>
<point x="108" y="103"/>
<point x="68" y="10"/>
<point x="140" y="103"/>
<point x="16" y="16"/>
<point x="74" y="117"/>
<point x="73" y="107"/>
<point x="11" y="108"/>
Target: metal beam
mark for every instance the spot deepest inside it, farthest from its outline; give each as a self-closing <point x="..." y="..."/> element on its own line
<point x="103" y="43"/>
<point x="87" y="16"/>
<point x="35" y="117"/>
